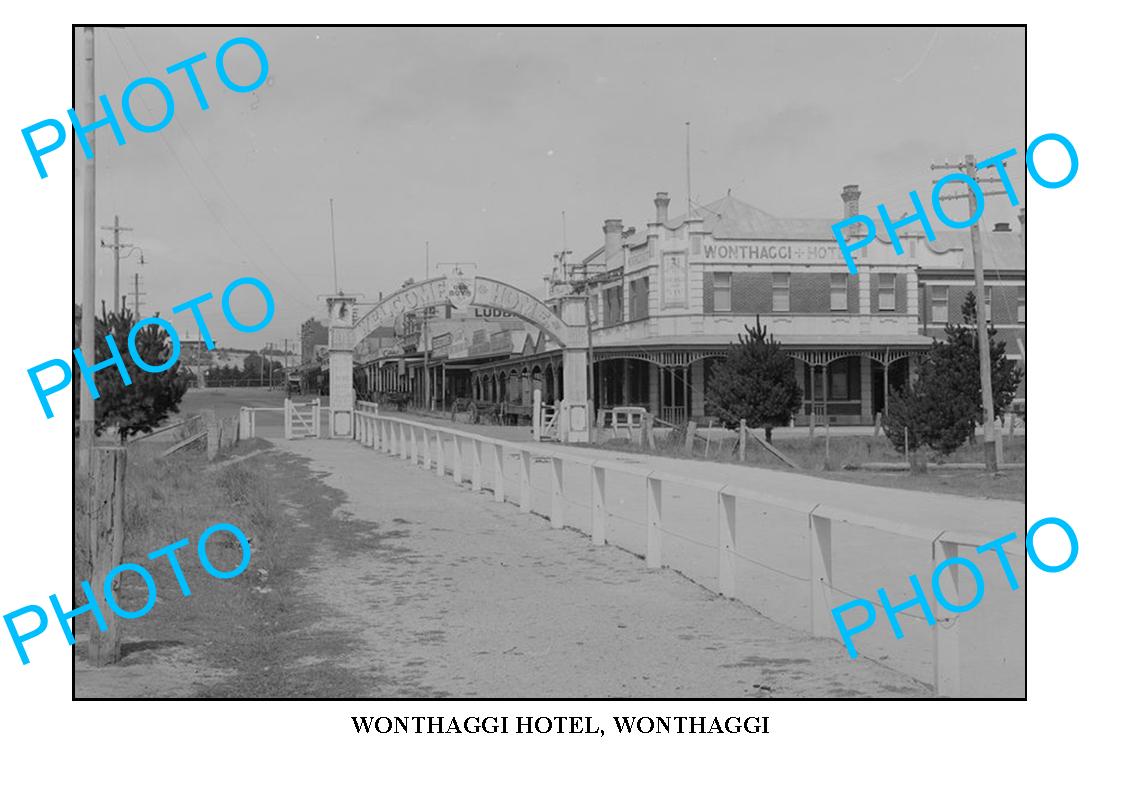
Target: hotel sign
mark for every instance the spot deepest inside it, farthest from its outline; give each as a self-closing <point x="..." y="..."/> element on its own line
<point x="768" y="253"/>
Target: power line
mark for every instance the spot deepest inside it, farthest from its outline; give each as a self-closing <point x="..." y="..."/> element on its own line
<point x="248" y="259"/>
<point x="992" y="445"/>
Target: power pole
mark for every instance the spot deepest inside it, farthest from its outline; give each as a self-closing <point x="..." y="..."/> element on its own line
<point x="116" y="246"/>
<point x="992" y="443"/>
<point x="137" y="294"/>
<point x="85" y="168"/>
<point x="425" y="339"/>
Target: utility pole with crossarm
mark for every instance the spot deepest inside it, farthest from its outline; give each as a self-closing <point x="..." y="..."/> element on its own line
<point x="992" y="443"/>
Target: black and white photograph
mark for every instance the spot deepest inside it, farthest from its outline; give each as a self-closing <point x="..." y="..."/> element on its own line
<point x="564" y="386"/>
<point x="628" y="377"/>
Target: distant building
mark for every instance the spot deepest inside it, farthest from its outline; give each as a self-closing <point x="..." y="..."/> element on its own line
<point x="312" y="333"/>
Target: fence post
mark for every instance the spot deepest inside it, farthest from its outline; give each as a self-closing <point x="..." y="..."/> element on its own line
<point x="211" y="424"/>
<point x="316" y="419"/>
<point x="688" y="444"/>
<point x="557" y="507"/>
<point x="598" y="504"/>
<point x="500" y="487"/>
<point x="477" y="465"/>
<point x="726" y="542"/>
<point x="244" y="423"/>
<point x="427" y="459"/>
<point x="403" y="446"/>
<point x="440" y="454"/>
<point x="742" y="440"/>
<point x="413" y="444"/>
<point x="654" y="522"/>
<point x="105" y="513"/>
<point x="536" y="417"/>
<point x="945" y="639"/>
<point x="288" y="418"/>
<point x="457" y="460"/>
<point x="524" y="481"/>
<point x="819" y="534"/>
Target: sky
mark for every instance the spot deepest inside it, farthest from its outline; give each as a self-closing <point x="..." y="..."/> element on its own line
<point x="476" y="140"/>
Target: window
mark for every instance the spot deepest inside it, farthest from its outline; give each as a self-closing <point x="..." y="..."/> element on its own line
<point x="781" y="293"/>
<point x="939" y="303"/>
<point x="637" y="299"/>
<point x="838" y="292"/>
<point x="986" y="293"/>
<point x="723" y="292"/>
<point x="613" y="305"/>
<point x="887" y="292"/>
<point x="1022" y="304"/>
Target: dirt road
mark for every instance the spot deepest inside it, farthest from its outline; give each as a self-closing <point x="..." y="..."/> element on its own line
<point x="386" y="581"/>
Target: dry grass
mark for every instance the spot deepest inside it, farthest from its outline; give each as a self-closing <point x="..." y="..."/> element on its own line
<point x="180" y="496"/>
<point x="846" y="451"/>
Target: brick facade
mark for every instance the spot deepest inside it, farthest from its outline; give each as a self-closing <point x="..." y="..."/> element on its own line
<point x="751" y="293"/>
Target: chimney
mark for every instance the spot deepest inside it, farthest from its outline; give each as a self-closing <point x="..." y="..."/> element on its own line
<point x="850" y="196"/>
<point x="1002" y="226"/>
<point x="661" y="202"/>
<point x="613" y="235"/>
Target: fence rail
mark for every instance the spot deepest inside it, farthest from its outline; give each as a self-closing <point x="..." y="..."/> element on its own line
<point x="463" y="455"/>
<point x="425" y="444"/>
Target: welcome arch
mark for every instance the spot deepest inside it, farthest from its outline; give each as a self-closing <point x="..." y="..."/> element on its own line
<point x="566" y="328"/>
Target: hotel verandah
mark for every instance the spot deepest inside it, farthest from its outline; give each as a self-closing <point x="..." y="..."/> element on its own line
<point x="667" y="301"/>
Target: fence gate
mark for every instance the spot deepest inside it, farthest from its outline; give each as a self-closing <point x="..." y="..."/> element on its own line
<point x="302" y="419"/>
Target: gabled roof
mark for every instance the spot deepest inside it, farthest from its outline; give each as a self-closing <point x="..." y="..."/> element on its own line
<point x="729" y="217"/>
<point x="1002" y="251"/>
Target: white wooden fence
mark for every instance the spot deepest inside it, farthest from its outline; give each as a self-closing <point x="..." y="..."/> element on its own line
<point x="723" y="564"/>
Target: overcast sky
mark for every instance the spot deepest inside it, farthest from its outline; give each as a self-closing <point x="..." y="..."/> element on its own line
<point x="477" y="139"/>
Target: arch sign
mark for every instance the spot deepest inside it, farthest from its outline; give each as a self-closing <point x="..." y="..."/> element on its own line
<point x="464" y="290"/>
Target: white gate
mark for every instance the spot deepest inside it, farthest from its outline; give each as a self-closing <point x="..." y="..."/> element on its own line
<point x="302" y="419"/>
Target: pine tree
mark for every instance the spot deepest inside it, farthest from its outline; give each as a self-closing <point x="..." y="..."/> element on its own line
<point x="942" y="409"/>
<point x="956" y="361"/>
<point x="755" y="382"/>
<point x="147" y="402"/>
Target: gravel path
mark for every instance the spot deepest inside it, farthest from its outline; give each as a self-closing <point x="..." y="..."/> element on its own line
<point x="449" y="594"/>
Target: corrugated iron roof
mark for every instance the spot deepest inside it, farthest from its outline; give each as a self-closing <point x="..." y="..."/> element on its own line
<point x="729" y="217"/>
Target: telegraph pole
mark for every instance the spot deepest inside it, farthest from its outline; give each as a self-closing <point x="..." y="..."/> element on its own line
<point x="116" y="246"/>
<point x="425" y="338"/>
<point x="137" y="294"/>
<point x="992" y="443"/>
<point x="88" y="175"/>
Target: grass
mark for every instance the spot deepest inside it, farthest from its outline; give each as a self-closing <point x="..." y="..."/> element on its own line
<point x="810" y="455"/>
<point x="180" y="497"/>
<point x="230" y="627"/>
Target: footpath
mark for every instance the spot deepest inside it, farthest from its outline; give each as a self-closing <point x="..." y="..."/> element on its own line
<point x="444" y="593"/>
